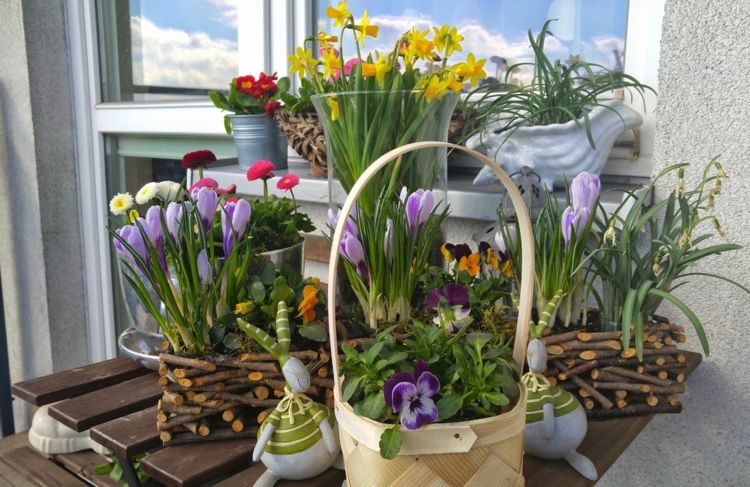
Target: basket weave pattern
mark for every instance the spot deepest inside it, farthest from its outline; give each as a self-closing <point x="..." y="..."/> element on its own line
<point x="305" y="134"/>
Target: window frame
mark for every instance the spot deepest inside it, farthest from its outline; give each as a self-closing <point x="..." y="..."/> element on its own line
<point x="274" y="28"/>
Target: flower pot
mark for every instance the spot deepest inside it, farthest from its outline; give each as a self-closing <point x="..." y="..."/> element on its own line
<point x="294" y="256"/>
<point x="258" y="137"/>
<point x="557" y="152"/>
<point x="305" y="134"/>
<point x="487" y="451"/>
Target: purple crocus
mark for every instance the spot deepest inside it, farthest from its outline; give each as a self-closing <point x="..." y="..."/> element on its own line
<point x="173" y="217"/>
<point x="573" y="220"/>
<point x="351" y="222"/>
<point x="419" y="206"/>
<point x="204" y="267"/>
<point x="352" y="250"/>
<point x="205" y="202"/>
<point x="134" y="238"/>
<point x="584" y="191"/>
<point x="389" y="241"/>
<point x="450" y="306"/>
<point x="410" y="394"/>
<point x="155" y="232"/>
<point x="234" y="220"/>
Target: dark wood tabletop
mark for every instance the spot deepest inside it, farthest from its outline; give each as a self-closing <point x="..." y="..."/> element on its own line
<point x="116" y="399"/>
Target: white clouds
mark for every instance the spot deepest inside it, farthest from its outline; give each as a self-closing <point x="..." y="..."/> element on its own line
<point x="174" y="57"/>
<point x="226" y="11"/>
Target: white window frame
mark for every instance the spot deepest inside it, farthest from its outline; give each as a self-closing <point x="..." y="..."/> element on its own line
<point x="273" y="28"/>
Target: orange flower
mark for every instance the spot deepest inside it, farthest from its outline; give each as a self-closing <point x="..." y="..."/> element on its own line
<point x="470" y="264"/>
<point x="307" y="305"/>
<point x="492" y="259"/>
<point x="507" y="268"/>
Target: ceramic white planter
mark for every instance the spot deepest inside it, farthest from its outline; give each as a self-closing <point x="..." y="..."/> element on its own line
<point x="557" y="152"/>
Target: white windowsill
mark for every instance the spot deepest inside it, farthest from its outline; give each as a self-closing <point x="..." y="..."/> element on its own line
<point x="466" y="200"/>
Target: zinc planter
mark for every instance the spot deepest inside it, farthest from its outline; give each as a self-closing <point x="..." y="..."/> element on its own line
<point x="557" y="152"/>
<point x="294" y="256"/>
<point x="258" y="137"/>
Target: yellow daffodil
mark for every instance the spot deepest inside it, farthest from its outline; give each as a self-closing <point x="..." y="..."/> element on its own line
<point x="331" y="62"/>
<point x="133" y="216"/>
<point x="447" y="39"/>
<point x="419" y="45"/>
<point x="381" y="68"/>
<point x="308" y="303"/>
<point x="333" y="104"/>
<point x="470" y="264"/>
<point x="434" y="89"/>
<point x="368" y="70"/>
<point x="340" y="14"/>
<point x="472" y="69"/>
<point x="303" y="62"/>
<point x="452" y="83"/>
<point x="243" y="308"/>
<point x="325" y="39"/>
<point x="120" y="203"/>
<point x="364" y="29"/>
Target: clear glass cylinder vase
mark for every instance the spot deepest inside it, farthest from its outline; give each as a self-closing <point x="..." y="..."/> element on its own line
<point x="359" y="128"/>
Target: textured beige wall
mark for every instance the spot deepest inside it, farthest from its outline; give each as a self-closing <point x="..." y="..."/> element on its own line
<point x="703" y="111"/>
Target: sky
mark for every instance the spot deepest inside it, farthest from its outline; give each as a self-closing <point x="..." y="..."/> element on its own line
<point x="193" y="43"/>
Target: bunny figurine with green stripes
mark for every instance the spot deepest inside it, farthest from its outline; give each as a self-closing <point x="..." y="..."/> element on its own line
<point x="298" y="439"/>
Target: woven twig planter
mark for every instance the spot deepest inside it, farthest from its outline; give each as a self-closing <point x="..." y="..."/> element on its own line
<point x="216" y="397"/>
<point x="612" y="382"/>
<point x="481" y="452"/>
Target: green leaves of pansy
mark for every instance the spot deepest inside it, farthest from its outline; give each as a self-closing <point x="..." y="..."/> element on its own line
<point x="315" y="331"/>
<point x="390" y="443"/>
<point x="372" y="407"/>
<point x="449" y="405"/>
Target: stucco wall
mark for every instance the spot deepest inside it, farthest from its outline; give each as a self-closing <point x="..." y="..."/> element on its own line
<point x="40" y="237"/>
<point x="703" y="111"/>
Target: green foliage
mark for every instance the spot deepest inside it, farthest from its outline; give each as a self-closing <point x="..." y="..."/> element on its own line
<point x="241" y="103"/>
<point x="390" y="443"/>
<point x="636" y="277"/>
<point x="277" y="223"/>
<point x="302" y="101"/>
<point x="558" y="92"/>
<point x="115" y="470"/>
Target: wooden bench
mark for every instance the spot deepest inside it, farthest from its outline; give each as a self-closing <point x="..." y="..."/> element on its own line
<point x="116" y="399"/>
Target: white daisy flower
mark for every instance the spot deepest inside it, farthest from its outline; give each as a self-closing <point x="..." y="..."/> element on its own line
<point x="148" y="192"/>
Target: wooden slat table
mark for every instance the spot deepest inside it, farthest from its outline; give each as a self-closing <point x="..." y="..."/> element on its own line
<point x="119" y="409"/>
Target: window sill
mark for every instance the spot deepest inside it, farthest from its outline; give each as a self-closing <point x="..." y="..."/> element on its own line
<point x="466" y="201"/>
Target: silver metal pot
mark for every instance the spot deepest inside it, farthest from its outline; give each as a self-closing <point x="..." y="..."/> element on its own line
<point x="294" y="255"/>
<point x="258" y="137"/>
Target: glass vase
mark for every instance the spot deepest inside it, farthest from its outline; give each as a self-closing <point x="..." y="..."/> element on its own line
<point x="359" y="128"/>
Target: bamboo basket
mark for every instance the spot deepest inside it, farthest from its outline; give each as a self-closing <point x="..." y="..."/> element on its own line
<point x="481" y="452"/>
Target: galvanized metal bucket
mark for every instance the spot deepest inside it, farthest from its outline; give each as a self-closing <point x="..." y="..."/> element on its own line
<point x="294" y="256"/>
<point x="258" y="137"/>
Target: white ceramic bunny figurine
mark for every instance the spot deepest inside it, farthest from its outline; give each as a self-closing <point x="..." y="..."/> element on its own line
<point x="555" y="421"/>
<point x="298" y="439"/>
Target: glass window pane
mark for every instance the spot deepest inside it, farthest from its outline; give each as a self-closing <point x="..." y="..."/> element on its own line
<point x="497" y="30"/>
<point x="166" y="49"/>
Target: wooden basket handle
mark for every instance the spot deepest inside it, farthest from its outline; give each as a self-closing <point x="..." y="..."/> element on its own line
<point x="524" y="232"/>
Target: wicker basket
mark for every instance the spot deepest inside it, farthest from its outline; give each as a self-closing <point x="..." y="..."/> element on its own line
<point x="481" y="452"/>
<point x="305" y="134"/>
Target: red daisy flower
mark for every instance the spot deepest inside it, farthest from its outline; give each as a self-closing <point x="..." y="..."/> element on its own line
<point x="195" y="159"/>
<point x="262" y="169"/>
<point x="288" y="181"/>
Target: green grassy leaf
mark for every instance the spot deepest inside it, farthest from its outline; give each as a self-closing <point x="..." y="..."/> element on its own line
<point x="688" y="313"/>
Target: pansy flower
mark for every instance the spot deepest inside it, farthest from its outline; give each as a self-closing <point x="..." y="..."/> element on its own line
<point x="308" y="303"/>
<point x="410" y="395"/>
<point x="470" y="264"/>
<point x="450" y="306"/>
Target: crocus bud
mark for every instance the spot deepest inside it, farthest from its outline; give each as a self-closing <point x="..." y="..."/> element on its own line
<point x="204" y="267"/>
<point x="238" y="213"/>
<point x="173" y="217"/>
<point x="205" y="203"/>
<point x="389" y="241"/>
<point x="352" y="250"/>
<point x="570" y="219"/>
<point x="419" y="205"/>
<point x="584" y="191"/>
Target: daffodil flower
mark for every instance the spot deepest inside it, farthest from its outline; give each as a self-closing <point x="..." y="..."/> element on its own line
<point x="472" y="69"/>
<point x="368" y="69"/>
<point x="324" y="39"/>
<point x="381" y="68"/>
<point x="447" y="39"/>
<point x="334" y="106"/>
<point x="331" y="63"/>
<point x="364" y="29"/>
<point x="340" y="14"/>
<point x="303" y="62"/>
<point x="435" y="88"/>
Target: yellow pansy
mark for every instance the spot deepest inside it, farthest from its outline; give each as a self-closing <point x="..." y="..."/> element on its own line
<point x="492" y="259"/>
<point x="308" y="303"/>
<point x="365" y="29"/>
<point x="333" y="104"/>
<point x="469" y="264"/>
<point x="472" y="69"/>
<point x="507" y="268"/>
<point x="340" y="14"/>
<point x="447" y="39"/>
<point x="303" y="62"/>
<point x="331" y="62"/>
<point x="447" y="254"/>
<point x="381" y="68"/>
<point x="243" y="308"/>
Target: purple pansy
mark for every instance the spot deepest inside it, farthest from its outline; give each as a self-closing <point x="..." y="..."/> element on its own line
<point x="419" y="205"/>
<point x="410" y="394"/>
<point x="461" y="250"/>
<point x="352" y="250"/>
<point x="450" y="306"/>
<point x="234" y="220"/>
